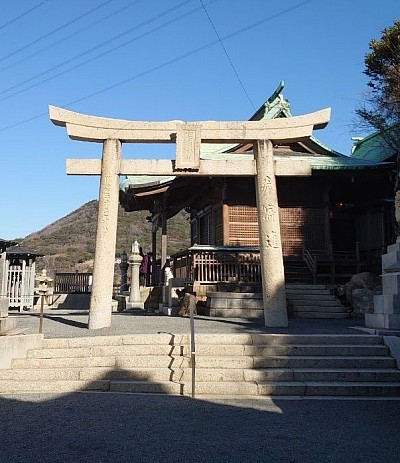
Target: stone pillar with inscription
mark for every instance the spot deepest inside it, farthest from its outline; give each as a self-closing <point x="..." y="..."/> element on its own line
<point x="273" y="277"/>
<point x="103" y="271"/>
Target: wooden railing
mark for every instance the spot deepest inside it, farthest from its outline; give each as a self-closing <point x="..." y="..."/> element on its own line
<point x="212" y="264"/>
<point x="311" y="263"/>
<point x="65" y="283"/>
<point x="331" y="264"/>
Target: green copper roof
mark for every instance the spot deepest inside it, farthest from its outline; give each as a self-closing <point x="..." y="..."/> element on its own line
<point x="142" y="181"/>
<point x="372" y="148"/>
<point x="318" y="162"/>
<point x="276" y="106"/>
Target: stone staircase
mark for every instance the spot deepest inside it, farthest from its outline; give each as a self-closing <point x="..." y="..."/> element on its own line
<point x="226" y="365"/>
<point x="296" y="271"/>
<point x="314" y="301"/>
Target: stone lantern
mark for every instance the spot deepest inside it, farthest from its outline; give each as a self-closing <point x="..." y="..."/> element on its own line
<point x="134" y="261"/>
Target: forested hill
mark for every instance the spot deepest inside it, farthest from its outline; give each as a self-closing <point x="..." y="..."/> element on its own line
<point x="68" y="244"/>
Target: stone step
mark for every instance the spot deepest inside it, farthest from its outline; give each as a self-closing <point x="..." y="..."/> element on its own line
<point x="330" y="389"/>
<point x="142" y="361"/>
<point x="318" y="315"/>
<point x="378" y="362"/>
<point x="91" y="374"/>
<point x="312" y="297"/>
<point x="8" y="387"/>
<point x="319" y="308"/>
<point x="247" y="362"/>
<point x="131" y="339"/>
<point x="346" y="375"/>
<point x="103" y="351"/>
<point x="217" y="339"/>
<point x="316" y="303"/>
<point x="298" y="389"/>
<point x="287" y="339"/>
<point x="307" y="291"/>
<point x="202" y="375"/>
<point x="287" y="374"/>
<point x="293" y="349"/>
<point x="305" y="287"/>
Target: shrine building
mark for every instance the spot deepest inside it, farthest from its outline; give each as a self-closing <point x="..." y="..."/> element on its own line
<point x="334" y="223"/>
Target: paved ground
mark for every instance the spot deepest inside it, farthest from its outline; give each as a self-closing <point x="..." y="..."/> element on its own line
<point x="59" y="323"/>
<point x="122" y="428"/>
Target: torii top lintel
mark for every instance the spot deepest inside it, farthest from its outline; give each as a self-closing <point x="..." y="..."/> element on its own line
<point x="97" y="129"/>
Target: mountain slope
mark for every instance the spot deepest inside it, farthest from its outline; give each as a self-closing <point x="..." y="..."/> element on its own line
<point x="68" y="244"/>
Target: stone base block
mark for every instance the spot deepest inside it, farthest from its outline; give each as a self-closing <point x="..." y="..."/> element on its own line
<point x="387" y="304"/>
<point x="237" y="313"/>
<point x="134" y="305"/>
<point x="3" y="307"/>
<point x="382" y="321"/>
<point x="390" y="284"/>
<point x="7" y="324"/>
<point x="235" y="305"/>
<point x="13" y="347"/>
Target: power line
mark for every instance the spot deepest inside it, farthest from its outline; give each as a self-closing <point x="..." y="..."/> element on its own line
<point x="154" y="18"/>
<point x="54" y="31"/>
<point x="74" y="34"/>
<point x="227" y="55"/>
<point x="25" y="13"/>
<point x="166" y="63"/>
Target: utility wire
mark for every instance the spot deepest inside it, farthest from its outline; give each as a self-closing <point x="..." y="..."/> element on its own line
<point x="166" y="63"/>
<point x="54" y="31"/>
<point x="151" y="31"/>
<point x="74" y="34"/>
<point x="227" y="55"/>
<point x="25" y="13"/>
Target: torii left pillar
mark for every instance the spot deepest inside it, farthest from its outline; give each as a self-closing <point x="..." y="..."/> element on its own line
<point x="103" y="270"/>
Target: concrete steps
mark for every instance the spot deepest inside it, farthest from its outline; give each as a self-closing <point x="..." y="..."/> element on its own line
<point x="314" y="301"/>
<point x="226" y="365"/>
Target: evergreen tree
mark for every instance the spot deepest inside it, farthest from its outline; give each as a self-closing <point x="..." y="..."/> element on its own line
<point x="381" y="109"/>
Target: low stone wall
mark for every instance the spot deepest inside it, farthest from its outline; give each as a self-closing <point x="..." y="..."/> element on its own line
<point x="235" y="305"/>
<point x="79" y="301"/>
<point x="17" y="347"/>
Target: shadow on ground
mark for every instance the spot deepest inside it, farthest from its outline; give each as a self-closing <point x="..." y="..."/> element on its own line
<point x="106" y="427"/>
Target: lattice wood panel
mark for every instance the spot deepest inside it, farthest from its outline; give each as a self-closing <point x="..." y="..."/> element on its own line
<point x="302" y="225"/>
<point x="298" y="226"/>
<point x="243" y="226"/>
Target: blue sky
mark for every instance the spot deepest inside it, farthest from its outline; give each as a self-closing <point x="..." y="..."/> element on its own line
<point x="162" y="60"/>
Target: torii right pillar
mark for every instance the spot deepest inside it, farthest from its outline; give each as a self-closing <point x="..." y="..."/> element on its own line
<point x="272" y="270"/>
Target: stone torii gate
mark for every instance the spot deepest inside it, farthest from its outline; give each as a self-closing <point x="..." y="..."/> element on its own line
<point x="188" y="137"/>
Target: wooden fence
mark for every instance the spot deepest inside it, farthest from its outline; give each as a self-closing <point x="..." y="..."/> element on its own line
<point x="65" y="283"/>
<point x="233" y="265"/>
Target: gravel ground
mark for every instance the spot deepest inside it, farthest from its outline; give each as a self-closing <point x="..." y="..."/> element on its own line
<point x="59" y="323"/>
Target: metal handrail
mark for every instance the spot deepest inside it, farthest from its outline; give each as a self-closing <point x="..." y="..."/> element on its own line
<point x="311" y="263"/>
<point x="192" y="350"/>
